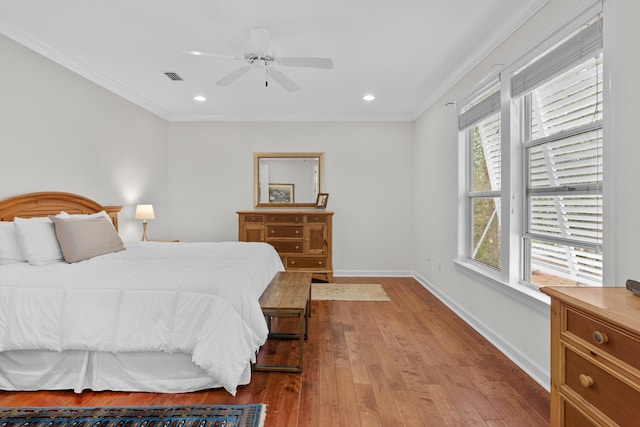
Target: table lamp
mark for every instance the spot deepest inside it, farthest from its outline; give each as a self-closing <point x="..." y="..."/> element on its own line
<point x="144" y="212"/>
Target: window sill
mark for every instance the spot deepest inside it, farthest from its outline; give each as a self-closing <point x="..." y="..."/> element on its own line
<point x="528" y="296"/>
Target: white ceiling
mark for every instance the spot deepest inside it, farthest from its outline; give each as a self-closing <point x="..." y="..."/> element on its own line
<point x="405" y="52"/>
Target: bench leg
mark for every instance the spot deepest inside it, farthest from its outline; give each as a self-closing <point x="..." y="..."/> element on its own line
<point x="301" y="336"/>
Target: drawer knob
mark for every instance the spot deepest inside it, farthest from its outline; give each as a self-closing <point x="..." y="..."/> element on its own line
<point x="297" y="247"/>
<point x="297" y="231"/>
<point x="600" y="337"/>
<point x="319" y="262"/>
<point x="272" y="219"/>
<point x="292" y="262"/>
<point x="586" y="381"/>
<point x="273" y="231"/>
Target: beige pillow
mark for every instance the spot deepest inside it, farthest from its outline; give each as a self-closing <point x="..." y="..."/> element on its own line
<point x="84" y="238"/>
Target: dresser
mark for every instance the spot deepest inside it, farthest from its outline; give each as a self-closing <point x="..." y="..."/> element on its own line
<point x="301" y="237"/>
<point x="595" y="356"/>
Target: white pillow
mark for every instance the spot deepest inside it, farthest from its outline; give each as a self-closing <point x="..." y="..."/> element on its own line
<point x="37" y="240"/>
<point x="10" y="252"/>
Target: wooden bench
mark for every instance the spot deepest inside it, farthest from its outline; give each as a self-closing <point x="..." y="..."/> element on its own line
<point x="288" y="295"/>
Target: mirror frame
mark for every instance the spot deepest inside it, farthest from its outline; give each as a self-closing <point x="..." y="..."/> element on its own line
<point x="256" y="178"/>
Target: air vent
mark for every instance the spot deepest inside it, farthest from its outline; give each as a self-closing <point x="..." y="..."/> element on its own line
<point x="173" y="76"/>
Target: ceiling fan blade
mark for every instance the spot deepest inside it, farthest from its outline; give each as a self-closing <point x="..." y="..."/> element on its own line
<point x="324" y="63"/>
<point x="259" y="40"/>
<point x="233" y="76"/>
<point x="284" y="81"/>
<point x="214" y="55"/>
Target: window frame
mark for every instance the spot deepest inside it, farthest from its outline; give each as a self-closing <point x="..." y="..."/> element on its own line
<point x="514" y="206"/>
<point x="466" y="136"/>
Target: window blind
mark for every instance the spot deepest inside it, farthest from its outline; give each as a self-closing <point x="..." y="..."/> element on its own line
<point x="482" y="109"/>
<point x="577" y="48"/>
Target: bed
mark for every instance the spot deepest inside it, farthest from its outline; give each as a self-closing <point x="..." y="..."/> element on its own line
<point x="147" y="316"/>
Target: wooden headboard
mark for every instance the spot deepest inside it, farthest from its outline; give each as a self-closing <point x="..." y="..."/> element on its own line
<point x="51" y="203"/>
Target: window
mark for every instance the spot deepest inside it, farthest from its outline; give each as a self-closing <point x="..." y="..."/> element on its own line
<point x="561" y="119"/>
<point x="480" y="122"/>
<point x="555" y="111"/>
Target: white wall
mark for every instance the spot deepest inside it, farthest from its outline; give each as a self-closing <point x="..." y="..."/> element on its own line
<point x="368" y="173"/>
<point x="60" y="132"/>
<point x="626" y="143"/>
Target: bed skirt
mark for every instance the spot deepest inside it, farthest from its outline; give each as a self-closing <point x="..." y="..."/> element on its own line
<point x="25" y="370"/>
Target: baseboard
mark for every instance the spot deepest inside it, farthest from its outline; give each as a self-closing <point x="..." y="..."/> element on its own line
<point x="373" y="273"/>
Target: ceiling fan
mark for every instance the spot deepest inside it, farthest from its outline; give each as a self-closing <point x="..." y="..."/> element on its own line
<point x="262" y="55"/>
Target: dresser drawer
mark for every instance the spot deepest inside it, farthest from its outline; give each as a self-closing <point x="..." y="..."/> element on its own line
<point x="252" y="218"/>
<point x="306" y="262"/>
<point x="285" y="218"/>
<point x="316" y="219"/>
<point x="602" y="335"/>
<point x="280" y="231"/>
<point x="287" y="247"/>
<point x="602" y="390"/>
<point x="575" y="418"/>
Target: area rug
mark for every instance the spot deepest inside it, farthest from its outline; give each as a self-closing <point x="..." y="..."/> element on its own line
<point x="136" y="416"/>
<point x="348" y="292"/>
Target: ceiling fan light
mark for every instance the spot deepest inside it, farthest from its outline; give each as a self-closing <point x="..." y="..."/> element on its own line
<point x="368" y="98"/>
<point x="199" y="98"/>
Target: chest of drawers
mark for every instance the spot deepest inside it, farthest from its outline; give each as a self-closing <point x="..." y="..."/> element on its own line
<point x="595" y="356"/>
<point x="302" y="238"/>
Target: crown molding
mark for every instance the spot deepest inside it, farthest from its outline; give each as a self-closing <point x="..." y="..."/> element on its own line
<point x="94" y="76"/>
<point x="70" y="63"/>
<point x="292" y="118"/>
<point x="483" y="51"/>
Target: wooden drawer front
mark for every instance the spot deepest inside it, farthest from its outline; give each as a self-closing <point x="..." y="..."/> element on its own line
<point x="613" y="341"/>
<point x="306" y="262"/>
<point x="252" y="218"/>
<point x="285" y="218"/>
<point x="606" y="393"/>
<point x="575" y="418"/>
<point x="316" y="219"/>
<point x="287" y="247"/>
<point x="275" y="231"/>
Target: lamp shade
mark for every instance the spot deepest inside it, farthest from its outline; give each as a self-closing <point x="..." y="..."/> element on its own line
<point x="144" y="212"/>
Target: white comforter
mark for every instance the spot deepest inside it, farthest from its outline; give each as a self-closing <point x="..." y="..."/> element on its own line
<point x="194" y="298"/>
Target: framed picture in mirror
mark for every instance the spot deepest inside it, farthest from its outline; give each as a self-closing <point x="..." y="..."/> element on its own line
<point x="281" y="193"/>
<point x="321" y="201"/>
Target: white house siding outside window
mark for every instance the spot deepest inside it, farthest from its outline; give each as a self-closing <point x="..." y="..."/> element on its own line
<point x="556" y="114"/>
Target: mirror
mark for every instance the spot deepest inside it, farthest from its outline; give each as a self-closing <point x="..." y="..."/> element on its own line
<point x="285" y="180"/>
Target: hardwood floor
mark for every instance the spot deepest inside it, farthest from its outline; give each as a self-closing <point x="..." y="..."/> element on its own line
<point x="408" y="362"/>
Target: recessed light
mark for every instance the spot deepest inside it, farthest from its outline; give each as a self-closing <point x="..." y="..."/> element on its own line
<point x="199" y="98"/>
<point x="368" y="98"/>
